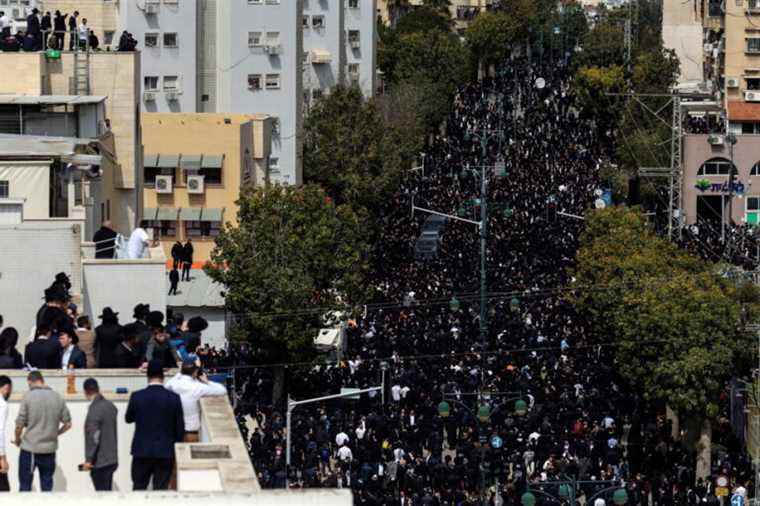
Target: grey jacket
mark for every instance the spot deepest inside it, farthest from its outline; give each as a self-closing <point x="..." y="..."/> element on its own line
<point x="42" y="412"/>
<point x="100" y="443"/>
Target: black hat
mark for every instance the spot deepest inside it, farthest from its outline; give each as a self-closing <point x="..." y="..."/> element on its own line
<point x="56" y="294"/>
<point x="155" y="368"/>
<point x="155" y="320"/>
<point x="141" y="311"/>
<point x="197" y="324"/>
<point x="108" y="313"/>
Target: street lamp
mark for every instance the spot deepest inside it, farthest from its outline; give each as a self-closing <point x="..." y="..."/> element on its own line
<point x="620" y="497"/>
<point x="528" y="499"/>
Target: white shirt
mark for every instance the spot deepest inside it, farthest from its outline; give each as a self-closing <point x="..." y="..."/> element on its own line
<point x="396" y="392"/>
<point x="84" y="32"/>
<point x="599" y="502"/>
<point x="66" y="356"/>
<point x="190" y="392"/>
<point x="137" y="243"/>
<point x="344" y="453"/>
<point x="341" y="438"/>
<point x="360" y="430"/>
<point x="3" y="423"/>
<point x="5" y="21"/>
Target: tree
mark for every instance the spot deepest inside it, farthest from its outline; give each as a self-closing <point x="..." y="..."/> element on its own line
<point x="354" y="152"/>
<point x="602" y="46"/>
<point x="293" y="254"/>
<point x="673" y="320"/>
<point x="592" y="85"/>
<point x="395" y="9"/>
<point x="423" y="19"/>
<point x="491" y="35"/>
<point x="655" y="71"/>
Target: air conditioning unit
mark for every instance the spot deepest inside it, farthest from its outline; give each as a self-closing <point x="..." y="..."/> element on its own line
<point x="273" y="49"/>
<point x="164" y="184"/>
<point x="195" y="184"/>
<point x="732" y="82"/>
<point x="149" y="96"/>
<point x="752" y="96"/>
<point x="715" y="140"/>
<point x="172" y="96"/>
<point x="151" y="8"/>
<point x="355" y="44"/>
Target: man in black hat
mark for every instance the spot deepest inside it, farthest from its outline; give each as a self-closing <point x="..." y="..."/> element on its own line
<point x="158" y="347"/>
<point x="159" y="424"/>
<point x="128" y="355"/>
<point x="107" y="338"/>
<point x="53" y="312"/>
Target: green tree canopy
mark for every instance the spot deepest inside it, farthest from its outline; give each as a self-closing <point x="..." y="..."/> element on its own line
<point x="492" y="33"/>
<point x="293" y="253"/>
<point x="674" y="322"/>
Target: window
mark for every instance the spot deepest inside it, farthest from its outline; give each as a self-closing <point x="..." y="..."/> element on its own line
<point x="753" y="5"/>
<point x="715" y="8"/>
<point x="151" y="83"/>
<point x="163" y="228"/>
<point x="254" y="82"/>
<point x="305" y="21"/>
<point x="318" y="22"/>
<point x="151" y="40"/>
<point x="755" y="171"/>
<point x="274" y="164"/>
<point x="273" y="38"/>
<point x="211" y="175"/>
<point x="305" y="57"/>
<point x="202" y="228"/>
<point x="254" y="39"/>
<point x="170" y="39"/>
<point x="354" y="38"/>
<point x="353" y="4"/>
<point x="171" y="83"/>
<point x="5" y="190"/>
<point x="715" y="167"/>
<point x="753" y="45"/>
<point x="272" y="82"/>
<point x="273" y="2"/>
<point x="753" y="210"/>
<point x="151" y="173"/>
<point x="256" y="2"/>
<point x="353" y="73"/>
<point x="108" y="37"/>
<point x="753" y="83"/>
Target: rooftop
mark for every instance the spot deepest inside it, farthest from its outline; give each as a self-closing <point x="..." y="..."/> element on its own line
<point x="41" y="146"/>
<point x="200" y="291"/>
<point x="51" y="99"/>
<point x="739" y="110"/>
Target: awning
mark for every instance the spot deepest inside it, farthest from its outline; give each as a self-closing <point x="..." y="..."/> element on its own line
<point x="212" y="161"/>
<point x="168" y="160"/>
<point x="84" y="159"/>
<point x="190" y="214"/>
<point x="167" y="214"/>
<point x="149" y="213"/>
<point x="150" y="160"/>
<point x="211" y="214"/>
<point x="190" y="162"/>
<point x="743" y="111"/>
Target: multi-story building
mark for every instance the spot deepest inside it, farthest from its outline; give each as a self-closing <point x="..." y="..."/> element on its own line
<point x="462" y="11"/>
<point x="195" y="167"/>
<point x="242" y="56"/>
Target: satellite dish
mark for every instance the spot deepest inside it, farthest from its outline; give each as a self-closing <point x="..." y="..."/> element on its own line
<point x="600" y="204"/>
<point x="540" y="83"/>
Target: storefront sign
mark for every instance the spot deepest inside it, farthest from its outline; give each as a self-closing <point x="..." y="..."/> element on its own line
<point x="725" y="187"/>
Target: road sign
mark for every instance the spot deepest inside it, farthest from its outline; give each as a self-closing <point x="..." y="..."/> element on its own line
<point x="497" y="442"/>
<point x="737" y="500"/>
<point x="721" y="491"/>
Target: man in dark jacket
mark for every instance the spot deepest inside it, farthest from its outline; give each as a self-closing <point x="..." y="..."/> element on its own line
<point x="46" y="26"/>
<point x="159" y="424"/>
<point x="74" y="35"/>
<point x="177" y="253"/>
<point x="100" y="438"/>
<point x="159" y="347"/>
<point x="173" y="281"/>
<point x="105" y="241"/>
<point x="127" y="355"/>
<point x="187" y="259"/>
<point x="53" y="312"/>
<point x="59" y="27"/>
<point x="44" y="352"/>
<point x="108" y="335"/>
<point x="71" y="357"/>
<point x="33" y="28"/>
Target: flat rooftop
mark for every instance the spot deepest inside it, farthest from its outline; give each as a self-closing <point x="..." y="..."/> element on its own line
<point x="10" y="99"/>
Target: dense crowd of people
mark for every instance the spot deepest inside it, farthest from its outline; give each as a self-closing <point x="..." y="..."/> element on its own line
<point x="533" y="403"/>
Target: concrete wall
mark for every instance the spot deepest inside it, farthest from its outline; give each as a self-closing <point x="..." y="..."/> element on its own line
<point x="31" y="256"/>
<point x="30" y="181"/>
<point x="697" y="150"/>
<point x="682" y="32"/>
<point x="121" y="284"/>
<point x="28" y="65"/>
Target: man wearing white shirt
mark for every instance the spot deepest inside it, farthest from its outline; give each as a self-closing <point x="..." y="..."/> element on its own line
<point x="5" y="392"/>
<point x="344" y="454"/>
<point x="5" y="25"/>
<point x="191" y="384"/>
<point x="138" y="242"/>
<point x="396" y="392"/>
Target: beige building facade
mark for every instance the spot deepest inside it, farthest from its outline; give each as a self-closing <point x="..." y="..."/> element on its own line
<point x="195" y="167"/>
<point x="113" y="75"/>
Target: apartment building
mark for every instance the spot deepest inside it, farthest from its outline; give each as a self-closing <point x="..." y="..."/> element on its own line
<point x="270" y="57"/>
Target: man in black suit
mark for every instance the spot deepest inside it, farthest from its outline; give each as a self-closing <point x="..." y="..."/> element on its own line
<point x="33" y="28"/>
<point x="73" y="22"/>
<point x="108" y="335"/>
<point x="159" y="424"/>
<point x="105" y="241"/>
<point x="71" y="357"/>
<point x="59" y="26"/>
<point x="127" y="354"/>
<point x="45" y="351"/>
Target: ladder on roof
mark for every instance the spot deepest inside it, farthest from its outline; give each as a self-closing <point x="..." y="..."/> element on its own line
<point x="82" y="72"/>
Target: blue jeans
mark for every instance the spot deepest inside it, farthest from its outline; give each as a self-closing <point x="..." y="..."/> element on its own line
<point x="27" y="461"/>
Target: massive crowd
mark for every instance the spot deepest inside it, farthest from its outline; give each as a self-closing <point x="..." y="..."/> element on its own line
<point x="557" y="408"/>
